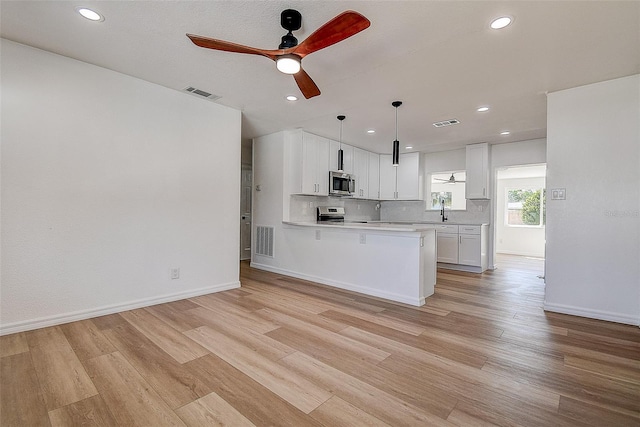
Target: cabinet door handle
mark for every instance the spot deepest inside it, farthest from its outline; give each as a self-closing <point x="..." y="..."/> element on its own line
<point x="460" y="239"/>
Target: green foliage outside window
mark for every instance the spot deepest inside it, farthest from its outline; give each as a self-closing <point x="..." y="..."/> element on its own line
<point x="525" y="207"/>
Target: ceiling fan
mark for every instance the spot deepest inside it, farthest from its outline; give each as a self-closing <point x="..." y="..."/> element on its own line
<point x="289" y="54"/>
<point x="451" y="180"/>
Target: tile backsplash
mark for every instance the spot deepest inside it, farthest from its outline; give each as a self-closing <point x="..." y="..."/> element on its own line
<point x="303" y="208"/>
<point x="478" y="212"/>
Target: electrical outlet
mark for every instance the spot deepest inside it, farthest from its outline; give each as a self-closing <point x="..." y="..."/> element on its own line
<point x="363" y="239"/>
<point x="174" y="273"/>
<point x="317" y="234"/>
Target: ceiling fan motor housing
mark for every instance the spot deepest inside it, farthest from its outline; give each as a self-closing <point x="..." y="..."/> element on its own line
<point x="291" y="20"/>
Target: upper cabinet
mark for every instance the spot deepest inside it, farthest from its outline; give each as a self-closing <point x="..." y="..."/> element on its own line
<point x="403" y="182"/>
<point x="361" y="172"/>
<point x="374" y="176"/>
<point x="309" y="164"/>
<point x="477" y="185"/>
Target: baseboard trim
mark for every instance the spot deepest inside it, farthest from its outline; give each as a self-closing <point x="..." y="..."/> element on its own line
<point x="592" y="314"/>
<point x="59" y="319"/>
<point x="342" y="285"/>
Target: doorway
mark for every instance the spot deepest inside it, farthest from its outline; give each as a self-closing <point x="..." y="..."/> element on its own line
<point x="245" y="211"/>
<point x="520" y="214"/>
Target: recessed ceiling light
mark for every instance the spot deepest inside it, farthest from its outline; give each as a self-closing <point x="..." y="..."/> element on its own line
<point x="506" y="132"/>
<point x="501" y="22"/>
<point x="90" y="14"/>
<point x="482" y="109"/>
<point x="292" y="98"/>
<point x="408" y="147"/>
<point x="371" y="131"/>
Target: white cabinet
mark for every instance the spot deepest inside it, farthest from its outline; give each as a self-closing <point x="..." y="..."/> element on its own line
<point x="462" y="247"/>
<point x="469" y="246"/>
<point x="361" y="172"/>
<point x="347" y="157"/>
<point x="447" y="238"/>
<point x="374" y="176"/>
<point x="308" y="160"/>
<point x="403" y="182"/>
<point x="477" y="164"/>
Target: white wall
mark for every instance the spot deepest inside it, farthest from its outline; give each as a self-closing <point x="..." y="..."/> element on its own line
<point x="108" y="182"/>
<point x="526" y="241"/>
<point x="593" y="237"/>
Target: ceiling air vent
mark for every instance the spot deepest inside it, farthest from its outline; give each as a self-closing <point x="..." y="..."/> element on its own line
<point x="201" y="93"/>
<point x="446" y="123"/>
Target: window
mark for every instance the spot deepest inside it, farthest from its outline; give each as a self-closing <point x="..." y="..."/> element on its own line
<point x="525" y="207"/>
<point x="450" y="187"/>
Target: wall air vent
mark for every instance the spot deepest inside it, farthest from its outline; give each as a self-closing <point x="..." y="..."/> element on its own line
<point x="446" y="123"/>
<point x="264" y="241"/>
<point x="201" y="93"/>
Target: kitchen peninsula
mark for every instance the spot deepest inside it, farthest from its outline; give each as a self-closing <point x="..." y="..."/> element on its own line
<point x="395" y="262"/>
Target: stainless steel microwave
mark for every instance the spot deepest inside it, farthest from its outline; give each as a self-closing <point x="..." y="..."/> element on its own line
<point x="341" y="184"/>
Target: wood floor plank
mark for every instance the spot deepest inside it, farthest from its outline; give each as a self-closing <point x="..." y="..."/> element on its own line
<point x="88" y="412"/>
<point x="171" y="380"/>
<point x="458" y="353"/>
<point x="86" y="339"/>
<point x="108" y="321"/>
<point x="254" y="341"/>
<point x="212" y="410"/>
<point x="594" y="415"/>
<point x="463" y="419"/>
<point x="168" y="339"/>
<point x="295" y="389"/>
<point x="604" y="369"/>
<point x="330" y="340"/>
<point x="336" y="412"/>
<point x="214" y="310"/>
<point x="360" y="394"/>
<point x="132" y="399"/>
<point x="175" y="314"/>
<point x="62" y="377"/>
<point x="252" y="399"/>
<point x="21" y="400"/>
<point x="13" y="344"/>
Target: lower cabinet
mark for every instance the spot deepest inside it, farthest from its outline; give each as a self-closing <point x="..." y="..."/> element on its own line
<point x="462" y="247"/>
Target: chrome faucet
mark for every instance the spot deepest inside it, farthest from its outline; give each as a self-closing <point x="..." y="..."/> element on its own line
<point x="444" y="218"/>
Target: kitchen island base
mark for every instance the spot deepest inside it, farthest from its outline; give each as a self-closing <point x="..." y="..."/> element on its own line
<point x="398" y="264"/>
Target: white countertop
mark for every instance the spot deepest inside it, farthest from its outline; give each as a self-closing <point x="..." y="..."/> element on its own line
<point x="378" y="226"/>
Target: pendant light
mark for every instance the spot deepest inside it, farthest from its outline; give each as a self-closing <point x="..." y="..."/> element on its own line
<point x="396" y="143"/>
<point x="340" y="152"/>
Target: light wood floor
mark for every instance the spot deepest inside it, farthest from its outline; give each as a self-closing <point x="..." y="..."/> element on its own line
<point x="281" y="351"/>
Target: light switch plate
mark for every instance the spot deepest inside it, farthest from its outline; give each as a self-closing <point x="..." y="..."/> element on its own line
<point x="558" y="194"/>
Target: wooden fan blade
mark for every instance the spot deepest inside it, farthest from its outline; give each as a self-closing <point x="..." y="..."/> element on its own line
<point x="232" y="47"/>
<point x="306" y="84"/>
<point x="339" y="28"/>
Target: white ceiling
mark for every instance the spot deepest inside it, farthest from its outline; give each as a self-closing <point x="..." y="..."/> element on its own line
<point x="439" y="57"/>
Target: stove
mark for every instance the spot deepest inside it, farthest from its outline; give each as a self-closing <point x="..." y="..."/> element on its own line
<point x="330" y="214"/>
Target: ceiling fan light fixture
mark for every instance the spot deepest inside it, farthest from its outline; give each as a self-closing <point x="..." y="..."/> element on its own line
<point x="288" y="64"/>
